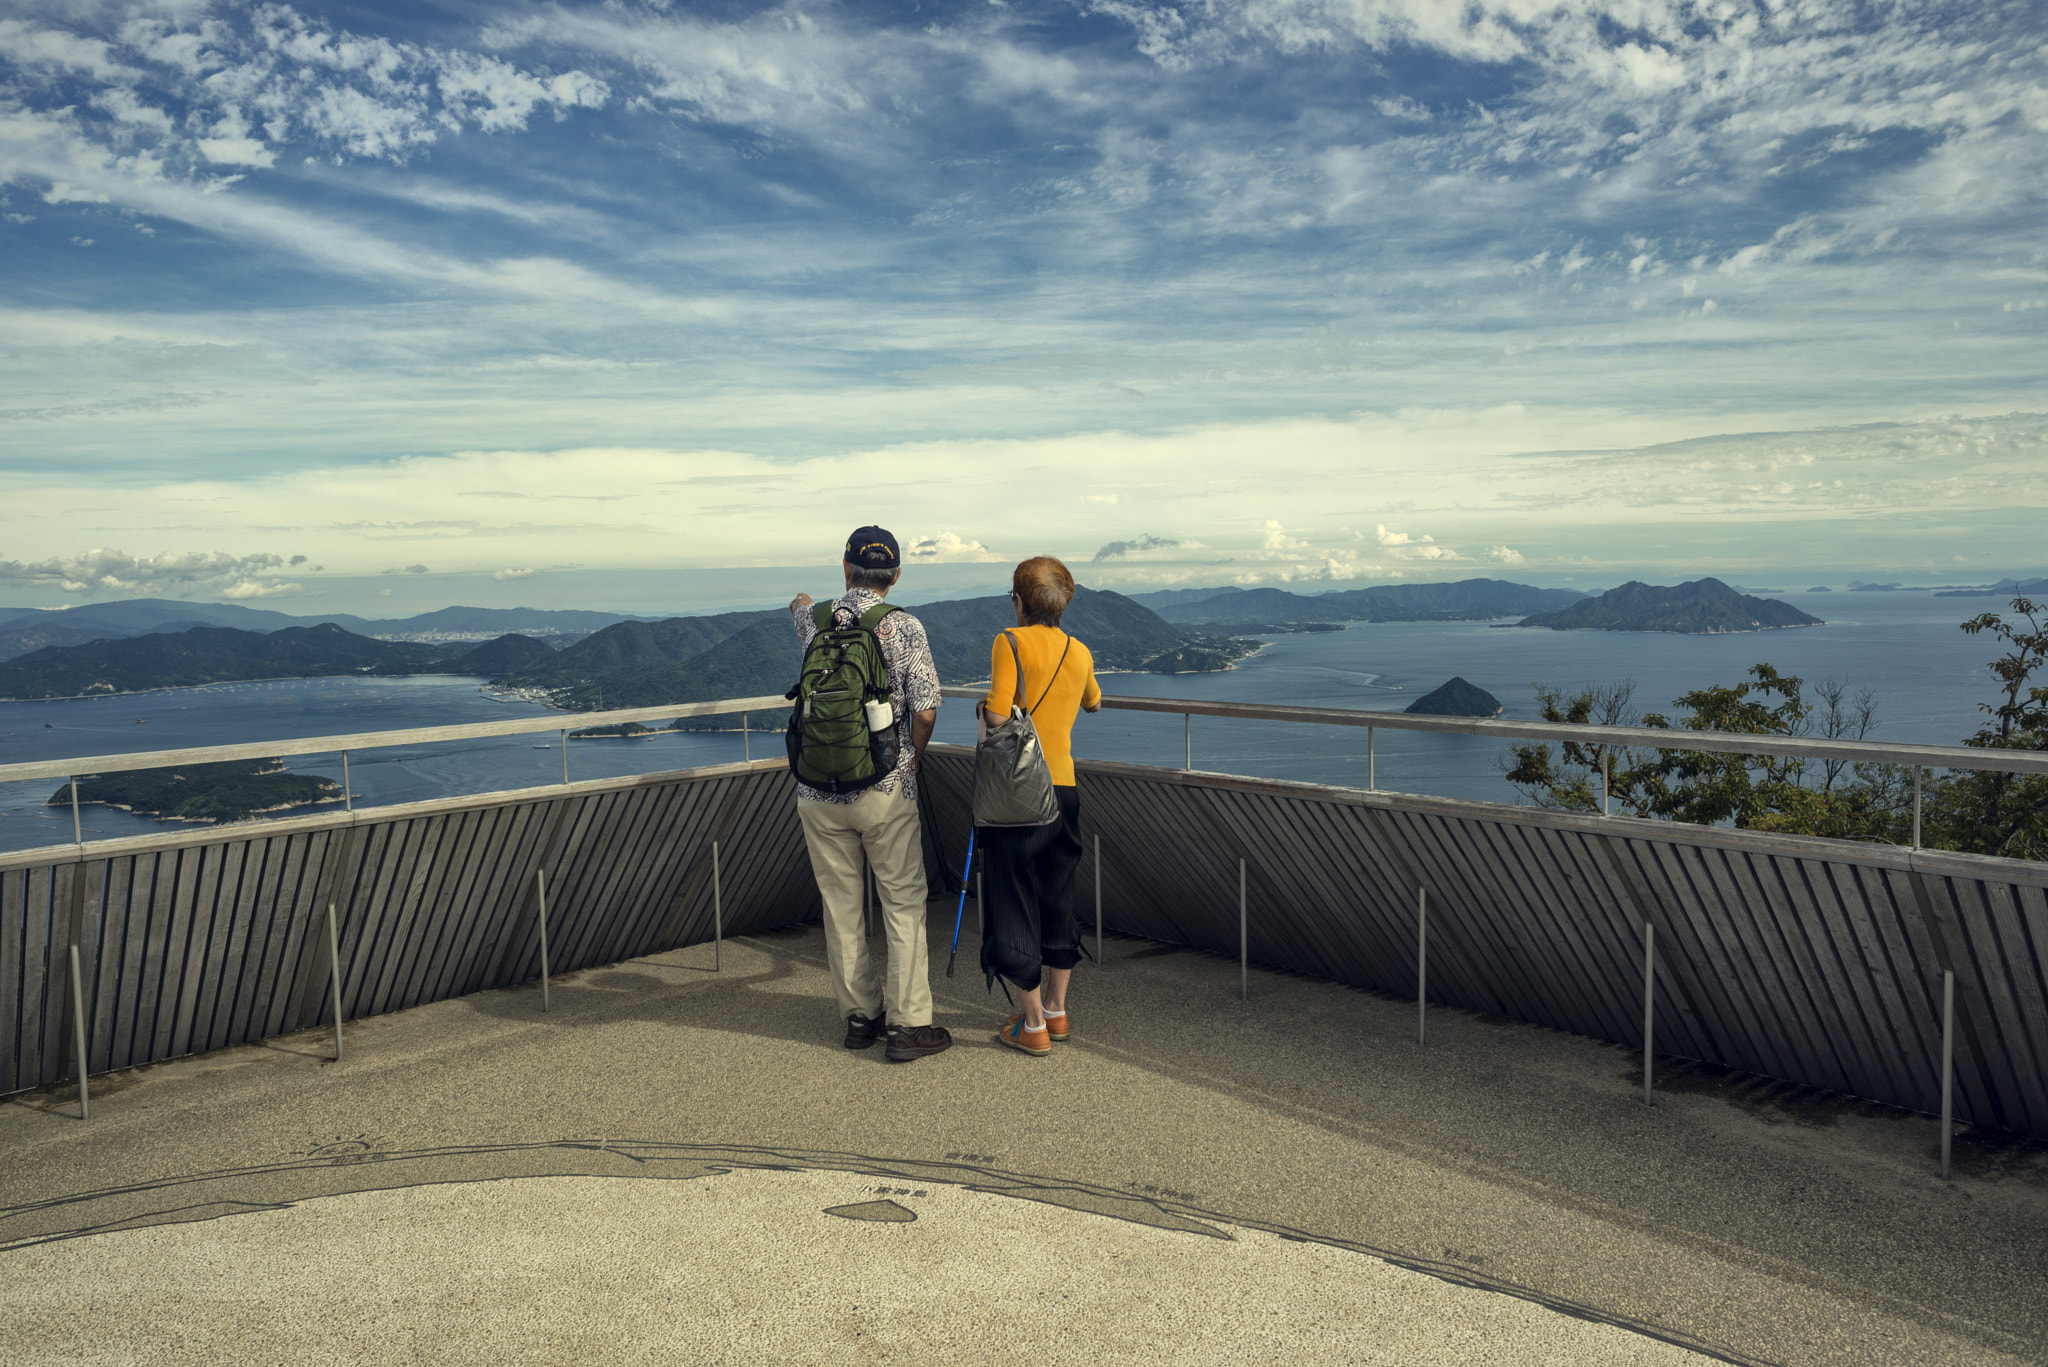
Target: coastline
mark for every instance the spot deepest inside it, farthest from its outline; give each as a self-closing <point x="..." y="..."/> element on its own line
<point x="225" y="683"/>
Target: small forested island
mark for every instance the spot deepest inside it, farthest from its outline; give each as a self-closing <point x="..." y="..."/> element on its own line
<point x="1456" y="699"/>
<point x="1703" y="606"/>
<point x="619" y="728"/>
<point x="231" y="790"/>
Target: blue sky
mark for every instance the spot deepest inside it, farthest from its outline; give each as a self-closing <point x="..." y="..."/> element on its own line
<point x="548" y="302"/>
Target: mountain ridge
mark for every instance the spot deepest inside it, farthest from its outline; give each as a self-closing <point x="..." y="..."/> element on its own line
<point x="205" y="655"/>
<point x="1456" y="600"/>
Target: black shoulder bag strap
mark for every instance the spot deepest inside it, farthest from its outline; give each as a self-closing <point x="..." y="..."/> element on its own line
<point x="1032" y="710"/>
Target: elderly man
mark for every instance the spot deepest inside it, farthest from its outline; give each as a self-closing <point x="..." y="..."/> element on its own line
<point x="879" y="820"/>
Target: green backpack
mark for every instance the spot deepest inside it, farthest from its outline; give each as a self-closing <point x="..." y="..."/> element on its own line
<point x="830" y="745"/>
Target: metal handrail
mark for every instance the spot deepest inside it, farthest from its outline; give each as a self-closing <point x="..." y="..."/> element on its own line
<point x="1605" y="738"/>
<point x="1644" y="737"/>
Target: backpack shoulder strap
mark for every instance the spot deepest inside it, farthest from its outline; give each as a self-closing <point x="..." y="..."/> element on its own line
<point x="1011" y="637"/>
<point x="821" y="615"/>
<point x="873" y="616"/>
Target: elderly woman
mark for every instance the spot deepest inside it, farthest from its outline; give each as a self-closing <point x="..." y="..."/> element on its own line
<point x="1031" y="937"/>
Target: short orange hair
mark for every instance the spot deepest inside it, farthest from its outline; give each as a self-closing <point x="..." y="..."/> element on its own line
<point x="1044" y="586"/>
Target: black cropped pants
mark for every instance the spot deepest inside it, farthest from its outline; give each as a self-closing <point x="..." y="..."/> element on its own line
<point x="1028" y="922"/>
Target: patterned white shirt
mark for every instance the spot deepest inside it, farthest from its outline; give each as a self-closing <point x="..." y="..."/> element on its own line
<point x="913" y="682"/>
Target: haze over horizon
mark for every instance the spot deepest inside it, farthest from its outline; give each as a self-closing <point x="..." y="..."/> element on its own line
<point x="375" y="308"/>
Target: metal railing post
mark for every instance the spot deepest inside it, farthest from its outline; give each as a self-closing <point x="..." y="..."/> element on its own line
<point x="77" y="824"/>
<point x="1948" y="1064"/>
<point x="1422" y="966"/>
<point x="334" y="976"/>
<point x="348" y="792"/>
<point x="1649" y="1003"/>
<point x="1916" y="806"/>
<point x="1244" y="952"/>
<point x="565" y="755"/>
<point x="1098" y="900"/>
<point x="1606" y="767"/>
<point x="78" y="1025"/>
<point x="1372" y="782"/>
<point x="1187" y="732"/>
<point x="746" y="740"/>
<point x="540" y="881"/>
<point x="717" y="916"/>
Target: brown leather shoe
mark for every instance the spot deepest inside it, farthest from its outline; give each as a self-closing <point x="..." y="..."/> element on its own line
<point x="861" y="1032"/>
<point x="907" y="1042"/>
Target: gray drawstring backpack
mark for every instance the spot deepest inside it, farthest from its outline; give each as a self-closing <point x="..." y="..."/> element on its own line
<point x="1012" y="786"/>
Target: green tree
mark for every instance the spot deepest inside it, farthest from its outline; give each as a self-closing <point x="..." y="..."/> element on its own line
<point x="1982" y="811"/>
<point x="1789" y="795"/>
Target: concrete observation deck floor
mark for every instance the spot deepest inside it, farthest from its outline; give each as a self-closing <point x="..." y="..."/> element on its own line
<point x="1193" y="1179"/>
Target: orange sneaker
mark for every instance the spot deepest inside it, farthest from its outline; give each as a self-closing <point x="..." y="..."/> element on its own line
<point x="1056" y="1027"/>
<point x="1035" y="1042"/>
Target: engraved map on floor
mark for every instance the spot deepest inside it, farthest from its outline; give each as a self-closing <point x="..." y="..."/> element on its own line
<point x="373" y="1257"/>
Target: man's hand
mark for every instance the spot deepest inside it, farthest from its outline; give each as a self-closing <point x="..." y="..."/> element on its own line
<point x="801" y="603"/>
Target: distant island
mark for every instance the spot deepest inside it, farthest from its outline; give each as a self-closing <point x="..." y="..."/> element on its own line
<point x="232" y="790"/>
<point x="23" y="630"/>
<point x="1703" y="606"/>
<point x="1456" y="699"/>
<point x="1241" y="611"/>
<point x="2004" y="588"/>
<point x="206" y="655"/>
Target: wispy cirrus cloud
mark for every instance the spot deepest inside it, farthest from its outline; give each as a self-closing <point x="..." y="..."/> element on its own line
<point x="1359" y="247"/>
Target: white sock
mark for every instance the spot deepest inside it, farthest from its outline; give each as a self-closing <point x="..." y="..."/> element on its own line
<point x="1050" y="1014"/>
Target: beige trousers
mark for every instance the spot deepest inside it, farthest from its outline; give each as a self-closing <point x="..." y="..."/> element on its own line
<point x="884" y="827"/>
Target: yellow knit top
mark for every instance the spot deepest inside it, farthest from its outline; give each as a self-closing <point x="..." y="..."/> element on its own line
<point x="1074" y="689"/>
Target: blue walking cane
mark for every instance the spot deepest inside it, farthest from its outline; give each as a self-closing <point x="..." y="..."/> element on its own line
<point x="961" y="911"/>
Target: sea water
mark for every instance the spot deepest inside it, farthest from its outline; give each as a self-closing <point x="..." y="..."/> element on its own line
<point x="1928" y="676"/>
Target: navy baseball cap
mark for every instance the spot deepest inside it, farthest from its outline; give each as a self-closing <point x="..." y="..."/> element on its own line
<point x="873" y="548"/>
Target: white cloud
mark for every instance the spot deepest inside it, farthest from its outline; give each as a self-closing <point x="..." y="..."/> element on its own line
<point x="256" y="588"/>
<point x="1505" y="555"/>
<point x="1403" y="546"/>
<point x="236" y="151"/>
<point x="947" y="548"/>
<point x="1277" y="539"/>
<point x="103" y="570"/>
<point x="64" y="192"/>
<point x="502" y="575"/>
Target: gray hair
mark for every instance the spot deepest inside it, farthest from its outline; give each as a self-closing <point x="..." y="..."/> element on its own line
<point x="874" y="581"/>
